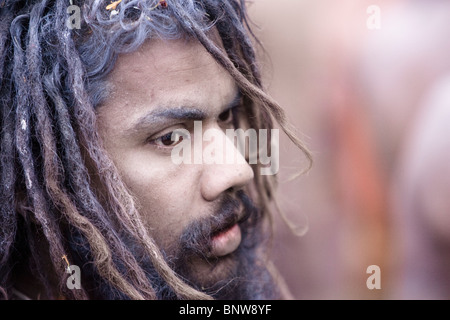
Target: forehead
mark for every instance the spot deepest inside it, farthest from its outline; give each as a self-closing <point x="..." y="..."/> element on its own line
<point x="160" y="61"/>
<point x="165" y="74"/>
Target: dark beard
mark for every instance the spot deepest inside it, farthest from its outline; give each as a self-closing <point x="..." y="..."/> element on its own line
<point x="247" y="278"/>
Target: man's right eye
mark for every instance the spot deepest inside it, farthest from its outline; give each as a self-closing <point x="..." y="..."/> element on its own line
<point x="168" y="140"/>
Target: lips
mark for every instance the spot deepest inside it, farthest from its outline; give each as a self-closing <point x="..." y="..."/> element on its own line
<point x="226" y="241"/>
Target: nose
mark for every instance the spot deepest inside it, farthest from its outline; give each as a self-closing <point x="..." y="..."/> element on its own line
<point x="224" y="175"/>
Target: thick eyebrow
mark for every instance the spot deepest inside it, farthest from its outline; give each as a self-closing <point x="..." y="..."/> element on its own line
<point x="178" y="113"/>
<point x="162" y="115"/>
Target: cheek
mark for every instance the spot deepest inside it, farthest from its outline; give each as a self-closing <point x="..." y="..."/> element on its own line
<point x="165" y="194"/>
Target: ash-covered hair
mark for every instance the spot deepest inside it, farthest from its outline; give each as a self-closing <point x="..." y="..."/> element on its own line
<point x="52" y="78"/>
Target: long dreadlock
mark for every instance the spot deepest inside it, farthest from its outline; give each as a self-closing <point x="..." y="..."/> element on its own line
<point x="52" y="78"/>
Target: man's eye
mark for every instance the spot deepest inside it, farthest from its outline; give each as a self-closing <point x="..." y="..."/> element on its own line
<point x="226" y="116"/>
<point x="170" y="139"/>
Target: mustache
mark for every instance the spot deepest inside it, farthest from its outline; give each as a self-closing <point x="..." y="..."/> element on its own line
<point x="196" y="239"/>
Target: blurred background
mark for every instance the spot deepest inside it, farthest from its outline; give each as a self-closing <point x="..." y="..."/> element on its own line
<point x="367" y="84"/>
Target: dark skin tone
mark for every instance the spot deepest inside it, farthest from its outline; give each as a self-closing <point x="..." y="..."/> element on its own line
<point x="165" y="86"/>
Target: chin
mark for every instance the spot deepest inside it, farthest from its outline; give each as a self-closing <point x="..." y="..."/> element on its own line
<point x="207" y="273"/>
<point x="241" y="275"/>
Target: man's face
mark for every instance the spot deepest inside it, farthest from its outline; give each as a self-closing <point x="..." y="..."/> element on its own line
<point x="165" y="86"/>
